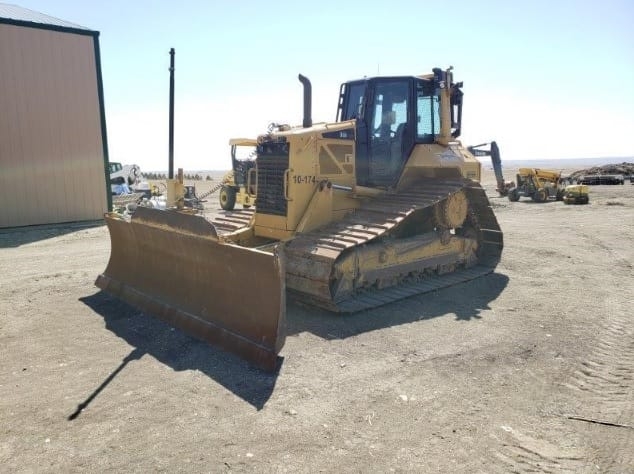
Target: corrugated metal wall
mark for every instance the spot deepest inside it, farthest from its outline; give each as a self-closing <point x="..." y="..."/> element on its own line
<point x="51" y="149"/>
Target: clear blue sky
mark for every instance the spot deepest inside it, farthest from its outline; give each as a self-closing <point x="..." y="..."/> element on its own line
<point x="546" y="79"/>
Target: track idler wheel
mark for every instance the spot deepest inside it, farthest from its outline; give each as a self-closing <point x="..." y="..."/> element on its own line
<point x="452" y="212"/>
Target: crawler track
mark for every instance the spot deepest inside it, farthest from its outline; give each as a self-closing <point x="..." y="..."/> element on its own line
<point x="311" y="256"/>
<point x="230" y="221"/>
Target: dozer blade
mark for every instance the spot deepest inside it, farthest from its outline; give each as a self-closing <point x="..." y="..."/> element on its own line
<point x="171" y="265"/>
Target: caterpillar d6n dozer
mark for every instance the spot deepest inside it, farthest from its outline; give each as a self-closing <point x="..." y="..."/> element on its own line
<point x="382" y="204"/>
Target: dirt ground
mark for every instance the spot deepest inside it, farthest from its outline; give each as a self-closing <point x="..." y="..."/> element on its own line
<point x="529" y="369"/>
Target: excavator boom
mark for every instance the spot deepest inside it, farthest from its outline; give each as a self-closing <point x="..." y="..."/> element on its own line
<point x="496" y="161"/>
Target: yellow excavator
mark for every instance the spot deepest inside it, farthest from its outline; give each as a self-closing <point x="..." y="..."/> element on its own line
<point x="382" y="204"/>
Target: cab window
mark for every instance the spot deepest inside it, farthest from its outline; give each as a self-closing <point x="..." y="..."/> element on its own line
<point x="427" y="112"/>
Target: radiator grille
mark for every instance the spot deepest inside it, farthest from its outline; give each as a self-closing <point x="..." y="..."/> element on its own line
<point x="272" y="162"/>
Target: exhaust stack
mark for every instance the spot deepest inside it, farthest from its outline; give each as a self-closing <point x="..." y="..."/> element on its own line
<point x="170" y="172"/>
<point x="308" y="99"/>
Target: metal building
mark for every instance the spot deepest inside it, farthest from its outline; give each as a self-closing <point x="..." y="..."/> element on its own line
<point x="53" y="148"/>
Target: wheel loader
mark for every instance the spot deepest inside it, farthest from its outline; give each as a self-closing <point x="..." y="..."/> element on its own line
<point x="379" y="205"/>
<point x="538" y="184"/>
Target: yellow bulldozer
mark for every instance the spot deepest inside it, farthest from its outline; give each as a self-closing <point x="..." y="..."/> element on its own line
<point x="381" y="204"/>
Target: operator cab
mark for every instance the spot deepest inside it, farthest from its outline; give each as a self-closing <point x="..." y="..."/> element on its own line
<point x="393" y="114"/>
<point x="114" y="167"/>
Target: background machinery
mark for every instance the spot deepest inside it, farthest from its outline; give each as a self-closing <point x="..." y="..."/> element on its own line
<point x="538" y="184"/>
<point x="576" y="194"/>
<point x="381" y="204"/>
<point x="503" y="187"/>
<point x="594" y="179"/>
<point x="238" y="185"/>
<point x="128" y="175"/>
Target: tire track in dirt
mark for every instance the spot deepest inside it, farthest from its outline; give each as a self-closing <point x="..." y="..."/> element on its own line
<point x="599" y="435"/>
<point x="602" y="389"/>
<point x="522" y="453"/>
<point x="619" y="260"/>
<point x="605" y="385"/>
<point x="606" y="377"/>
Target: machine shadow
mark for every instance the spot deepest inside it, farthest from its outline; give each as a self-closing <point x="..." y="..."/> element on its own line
<point x="465" y="300"/>
<point x="18" y="236"/>
<point x="180" y="351"/>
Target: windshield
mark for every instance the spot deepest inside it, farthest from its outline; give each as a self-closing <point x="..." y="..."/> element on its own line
<point x="390" y="108"/>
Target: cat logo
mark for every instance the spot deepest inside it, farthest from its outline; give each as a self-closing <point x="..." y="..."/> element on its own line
<point x="448" y="155"/>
